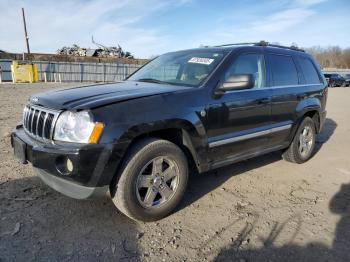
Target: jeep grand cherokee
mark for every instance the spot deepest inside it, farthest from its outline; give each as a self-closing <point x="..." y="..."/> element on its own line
<point x="203" y="108"/>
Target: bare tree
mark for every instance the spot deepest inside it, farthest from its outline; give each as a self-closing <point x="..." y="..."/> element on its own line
<point x="331" y="57"/>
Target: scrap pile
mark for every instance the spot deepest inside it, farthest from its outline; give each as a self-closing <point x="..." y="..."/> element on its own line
<point x="101" y="51"/>
<point x="74" y="50"/>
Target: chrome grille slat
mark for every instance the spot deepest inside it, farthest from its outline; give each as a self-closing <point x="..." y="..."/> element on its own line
<point x="35" y="122"/>
<point x="43" y="130"/>
<point x="53" y="121"/>
<point x="25" y="113"/>
<point x="27" y="118"/>
<point x="39" y="122"/>
<point x="32" y="120"/>
<point x="47" y="132"/>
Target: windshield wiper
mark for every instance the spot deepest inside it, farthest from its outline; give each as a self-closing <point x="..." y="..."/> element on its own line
<point x="152" y="80"/>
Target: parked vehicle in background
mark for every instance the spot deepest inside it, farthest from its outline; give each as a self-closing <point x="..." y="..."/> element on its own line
<point x="347" y="79"/>
<point x="197" y="109"/>
<point x="334" y="80"/>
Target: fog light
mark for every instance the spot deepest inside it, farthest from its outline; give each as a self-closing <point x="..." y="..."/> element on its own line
<point x="69" y="165"/>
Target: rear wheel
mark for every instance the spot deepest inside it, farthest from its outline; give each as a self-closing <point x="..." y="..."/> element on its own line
<point x="152" y="180"/>
<point x="303" y="144"/>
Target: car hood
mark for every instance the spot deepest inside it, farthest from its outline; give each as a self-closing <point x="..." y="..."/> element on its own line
<point x="88" y="97"/>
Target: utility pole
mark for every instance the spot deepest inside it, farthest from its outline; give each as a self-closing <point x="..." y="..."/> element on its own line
<point x="25" y="31"/>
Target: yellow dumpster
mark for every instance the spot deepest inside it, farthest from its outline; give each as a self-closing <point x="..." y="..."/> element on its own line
<point x="24" y="72"/>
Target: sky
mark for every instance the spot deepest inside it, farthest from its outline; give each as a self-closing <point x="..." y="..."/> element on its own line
<point x="151" y="27"/>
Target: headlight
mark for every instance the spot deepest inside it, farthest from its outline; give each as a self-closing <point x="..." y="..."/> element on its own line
<point x="77" y="127"/>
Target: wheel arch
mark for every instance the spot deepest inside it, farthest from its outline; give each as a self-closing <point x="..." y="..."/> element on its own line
<point x="310" y="107"/>
<point x="315" y="116"/>
<point x="182" y="133"/>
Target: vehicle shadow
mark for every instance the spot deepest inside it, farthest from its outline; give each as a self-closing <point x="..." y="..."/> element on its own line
<point x="201" y="184"/>
<point x="39" y="224"/>
<point x="314" y="251"/>
<point x="328" y="130"/>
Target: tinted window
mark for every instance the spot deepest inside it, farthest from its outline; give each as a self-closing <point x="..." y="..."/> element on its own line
<point x="249" y="64"/>
<point x="309" y="71"/>
<point x="283" y="70"/>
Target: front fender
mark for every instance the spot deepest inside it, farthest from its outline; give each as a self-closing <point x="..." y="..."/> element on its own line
<point x="193" y="136"/>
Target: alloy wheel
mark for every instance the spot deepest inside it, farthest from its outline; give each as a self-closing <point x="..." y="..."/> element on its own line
<point x="157" y="182"/>
<point x="306" y="140"/>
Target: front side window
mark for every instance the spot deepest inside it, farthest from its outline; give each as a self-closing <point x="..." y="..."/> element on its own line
<point x="189" y="68"/>
<point x="283" y="69"/>
<point x="249" y="64"/>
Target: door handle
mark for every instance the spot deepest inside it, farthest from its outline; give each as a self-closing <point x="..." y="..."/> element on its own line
<point x="264" y="101"/>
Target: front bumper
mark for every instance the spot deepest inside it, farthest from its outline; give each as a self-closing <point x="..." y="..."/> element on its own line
<point x="93" y="165"/>
<point x="71" y="189"/>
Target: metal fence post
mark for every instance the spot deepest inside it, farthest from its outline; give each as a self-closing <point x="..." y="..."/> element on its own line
<point x="81" y="72"/>
<point x="104" y="72"/>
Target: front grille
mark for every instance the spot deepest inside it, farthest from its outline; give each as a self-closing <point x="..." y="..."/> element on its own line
<point x="39" y="122"/>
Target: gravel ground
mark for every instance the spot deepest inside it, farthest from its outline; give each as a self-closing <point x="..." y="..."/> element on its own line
<point x="263" y="209"/>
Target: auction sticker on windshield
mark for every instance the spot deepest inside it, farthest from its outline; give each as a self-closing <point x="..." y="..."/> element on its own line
<point x="201" y="60"/>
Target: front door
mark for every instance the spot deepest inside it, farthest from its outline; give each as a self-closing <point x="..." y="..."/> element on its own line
<point x="238" y="121"/>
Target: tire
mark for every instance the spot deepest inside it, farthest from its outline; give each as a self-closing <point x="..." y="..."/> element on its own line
<point x="150" y="163"/>
<point x="294" y="153"/>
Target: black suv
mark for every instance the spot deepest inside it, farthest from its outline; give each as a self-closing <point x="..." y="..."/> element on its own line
<point x="347" y="79"/>
<point x="335" y="80"/>
<point x="203" y="108"/>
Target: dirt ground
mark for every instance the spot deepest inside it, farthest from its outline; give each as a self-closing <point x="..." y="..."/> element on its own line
<point x="263" y="209"/>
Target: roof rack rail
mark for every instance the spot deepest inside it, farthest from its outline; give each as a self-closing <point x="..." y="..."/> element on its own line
<point x="235" y="44"/>
<point x="264" y="43"/>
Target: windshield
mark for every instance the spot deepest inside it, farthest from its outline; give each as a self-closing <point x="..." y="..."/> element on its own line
<point x="189" y="68"/>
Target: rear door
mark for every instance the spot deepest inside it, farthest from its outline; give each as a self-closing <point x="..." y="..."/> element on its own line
<point x="286" y="92"/>
<point x="237" y="122"/>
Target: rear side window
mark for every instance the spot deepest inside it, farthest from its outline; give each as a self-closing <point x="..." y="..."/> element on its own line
<point x="283" y="70"/>
<point x="309" y="71"/>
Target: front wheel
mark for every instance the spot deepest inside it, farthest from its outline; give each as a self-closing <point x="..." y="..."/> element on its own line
<point x="152" y="180"/>
<point x="303" y="144"/>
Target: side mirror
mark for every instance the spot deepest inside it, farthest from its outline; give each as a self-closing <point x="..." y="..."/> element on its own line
<point x="237" y="82"/>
